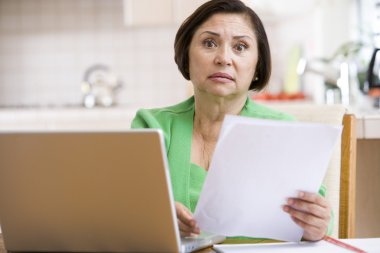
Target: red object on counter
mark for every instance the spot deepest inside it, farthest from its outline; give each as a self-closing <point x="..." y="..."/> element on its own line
<point x="374" y="92"/>
<point x="343" y="244"/>
<point x="280" y="96"/>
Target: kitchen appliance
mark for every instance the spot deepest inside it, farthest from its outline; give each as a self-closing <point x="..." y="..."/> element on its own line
<point x="99" y="86"/>
<point x="339" y="73"/>
<point x="373" y="74"/>
<point x="373" y="77"/>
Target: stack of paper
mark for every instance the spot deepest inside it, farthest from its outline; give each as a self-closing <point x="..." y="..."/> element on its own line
<point x="256" y="166"/>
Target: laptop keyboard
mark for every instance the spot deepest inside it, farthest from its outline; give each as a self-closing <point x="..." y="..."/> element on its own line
<point x="203" y="240"/>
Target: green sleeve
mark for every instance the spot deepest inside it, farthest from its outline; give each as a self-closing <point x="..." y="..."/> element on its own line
<point x="176" y="125"/>
<point x="322" y="192"/>
<point x="152" y="118"/>
<point x="138" y="122"/>
<point x="141" y="119"/>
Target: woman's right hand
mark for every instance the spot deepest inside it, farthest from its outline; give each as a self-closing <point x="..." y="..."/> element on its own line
<point x="187" y="224"/>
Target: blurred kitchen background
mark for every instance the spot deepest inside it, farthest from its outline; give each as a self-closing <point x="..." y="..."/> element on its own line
<point x="46" y="47"/>
<point x="90" y="64"/>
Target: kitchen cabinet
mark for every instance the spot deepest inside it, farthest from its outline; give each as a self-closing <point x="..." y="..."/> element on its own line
<point x="148" y="12"/>
<point x="368" y="188"/>
<point x="368" y="174"/>
<point x="184" y="8"/>
<point x="158" y="13"/>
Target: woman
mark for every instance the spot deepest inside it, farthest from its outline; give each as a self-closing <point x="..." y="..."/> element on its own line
<point x="223" y="49"/>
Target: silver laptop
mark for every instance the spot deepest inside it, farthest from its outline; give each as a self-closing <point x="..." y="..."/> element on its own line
<point x="89" y="192"/>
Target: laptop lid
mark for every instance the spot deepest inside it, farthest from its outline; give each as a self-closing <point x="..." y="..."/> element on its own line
<point x="86" y="192"/>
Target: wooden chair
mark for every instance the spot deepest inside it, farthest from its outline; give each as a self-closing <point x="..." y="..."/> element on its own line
<point x="348" y="178"/>
<point x="340" y="178"/>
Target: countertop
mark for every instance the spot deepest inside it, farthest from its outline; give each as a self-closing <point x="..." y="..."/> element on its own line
<point x="61" y="118"/>
<point x="368" y="124"/>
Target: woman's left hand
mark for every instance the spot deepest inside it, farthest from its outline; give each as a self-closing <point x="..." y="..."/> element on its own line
<point x="311" y="212"/>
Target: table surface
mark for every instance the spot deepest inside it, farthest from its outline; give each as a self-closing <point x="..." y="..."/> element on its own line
<point x="207" y="250"/>
<point x="370" y="244"/>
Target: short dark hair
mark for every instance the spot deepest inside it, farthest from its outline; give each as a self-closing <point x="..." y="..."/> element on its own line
<point x="186" y="32"/>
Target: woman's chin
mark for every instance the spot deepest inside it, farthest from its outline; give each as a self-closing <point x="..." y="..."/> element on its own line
<point x="221" y="91"/>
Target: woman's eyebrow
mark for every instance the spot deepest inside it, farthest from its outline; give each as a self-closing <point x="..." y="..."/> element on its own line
<point x="235" y="37"/>
<point x="212" y="33"/>
<point x="243" y="37"/>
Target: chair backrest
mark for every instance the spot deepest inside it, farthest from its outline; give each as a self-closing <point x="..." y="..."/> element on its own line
<point x="348" y="178"/>
<point x="340" y="176"/>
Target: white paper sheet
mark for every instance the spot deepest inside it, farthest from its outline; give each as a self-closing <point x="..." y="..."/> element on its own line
<point x="370" y="245"/>
<point x="256" y="166"/>
<point x="289" y="247"/>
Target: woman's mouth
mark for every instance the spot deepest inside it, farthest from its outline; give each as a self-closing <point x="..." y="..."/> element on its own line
<point x="221" y="77"/>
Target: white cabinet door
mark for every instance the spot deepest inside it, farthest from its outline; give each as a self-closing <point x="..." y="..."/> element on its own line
<point x="158" y="12"/>
<point x="148" y="12"/>
<point x="184" y="8"/>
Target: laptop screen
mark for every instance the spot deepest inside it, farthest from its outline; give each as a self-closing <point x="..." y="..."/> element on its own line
<point x="86" y="191"/>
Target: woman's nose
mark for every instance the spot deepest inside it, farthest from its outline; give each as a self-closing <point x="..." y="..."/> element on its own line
<point x="223" y="56"/>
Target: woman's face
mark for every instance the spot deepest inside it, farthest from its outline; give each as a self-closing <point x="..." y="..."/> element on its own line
<point x="223" y="56"/>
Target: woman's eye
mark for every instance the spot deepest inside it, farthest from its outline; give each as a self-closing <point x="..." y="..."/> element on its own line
<point x="209" y="43"/>
<point x="240" y="47"/>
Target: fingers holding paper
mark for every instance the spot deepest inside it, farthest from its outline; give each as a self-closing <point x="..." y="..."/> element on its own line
<point x="187" y="224"/>
<point x="311" y="212"/>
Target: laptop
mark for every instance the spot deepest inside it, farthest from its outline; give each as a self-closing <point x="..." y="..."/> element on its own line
<point x="77" y="191"/>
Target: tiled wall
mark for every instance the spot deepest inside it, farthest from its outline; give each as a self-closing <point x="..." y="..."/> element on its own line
<point x="46" y="46"/>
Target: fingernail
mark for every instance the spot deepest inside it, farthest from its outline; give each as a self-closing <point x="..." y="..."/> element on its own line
<point x="290" y="201"/>
<point x="285" y="208"/>
<point x="301" y="194"/>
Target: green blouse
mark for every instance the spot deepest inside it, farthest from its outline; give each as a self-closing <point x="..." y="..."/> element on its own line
<point x="176" y="122"/>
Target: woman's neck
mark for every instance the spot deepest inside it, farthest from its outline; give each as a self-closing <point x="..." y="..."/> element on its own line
<point x="210" y="109"/>
<point x="210" y="112"/>
<point x="208" y="118"/>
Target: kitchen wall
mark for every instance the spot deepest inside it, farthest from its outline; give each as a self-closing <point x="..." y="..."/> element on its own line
<point x="46" y="46"/>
